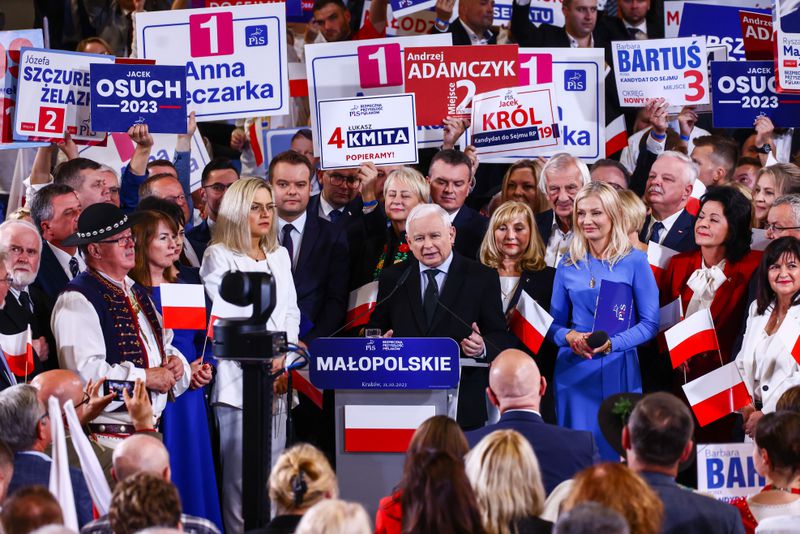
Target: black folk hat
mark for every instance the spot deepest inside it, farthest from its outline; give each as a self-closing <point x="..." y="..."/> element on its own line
<point x="98" y="222"/>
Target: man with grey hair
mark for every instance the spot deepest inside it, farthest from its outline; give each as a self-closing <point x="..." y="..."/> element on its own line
<point x="440" y="293"/>
<point x="669" y="186"/>
<point x="26" y="305"/>
<point x="590" y="517"/>
<point x="25" y="428"/>
<point x="657" y="438"/>
<point x="563" y="176"/>
<point x="783" y="218"/>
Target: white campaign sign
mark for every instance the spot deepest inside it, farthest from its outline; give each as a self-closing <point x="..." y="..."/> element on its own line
<point x="516" y="121"/>
<point x="117" y="153"/>
<point x="364" y="68"/>
<point x="380" y="129"/>
<point x="53" y="95"/>
<point x="235" y="57"/>
<point x="786" y="21"/>
<point x="726" y="470"/>
<point x="673" y="10"/>
<point x="676" y="69"/>
<point x="577" y="75"/>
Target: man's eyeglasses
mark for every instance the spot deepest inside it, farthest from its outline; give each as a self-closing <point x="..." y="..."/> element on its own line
<point x="776" y="228"/>
<point x="339" y="179"/>
<point x="122" y="242"/>
<point x="218" y="187"/>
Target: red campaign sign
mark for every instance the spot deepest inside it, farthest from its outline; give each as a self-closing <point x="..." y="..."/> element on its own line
<point x="445" y="78"/>
<point x="757" y="35"/>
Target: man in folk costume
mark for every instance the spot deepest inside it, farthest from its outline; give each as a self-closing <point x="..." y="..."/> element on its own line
<point x="106" y="326"/>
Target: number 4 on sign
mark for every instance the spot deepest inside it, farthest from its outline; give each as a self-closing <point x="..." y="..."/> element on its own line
<point x="336" y="138"/>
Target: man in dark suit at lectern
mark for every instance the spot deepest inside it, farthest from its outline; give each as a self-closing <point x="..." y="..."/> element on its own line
<point x="440" y="293"/>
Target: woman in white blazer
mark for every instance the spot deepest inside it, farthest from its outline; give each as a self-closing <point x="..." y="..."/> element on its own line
<point x="765" y="361"/>
<point x="245" y="239"/>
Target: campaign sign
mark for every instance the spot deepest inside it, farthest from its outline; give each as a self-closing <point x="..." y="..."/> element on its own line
<point x="384" y="363"/>
<point x="235" y="57"/>
<point x="401" y="8"/>
<point x="445" y="79"/>
<point x="744" y="90"/>
<point x="231" y="3"/>
<point x="758" y="35"/>
<point x="299" y="10"/>
<point x="787" y="27"/>
<point x="365" y="68"/>
<point x="277" y="141"/>
<point x="515" y="120"/>
<point x="676" y="69"/>
<point x="727" y="470"/>
<point x="53" y="95"/>
<point x="380" y="129"/>
<point x="124" y="95"/>
<point x="10" y="45"/>
<point x="540" y="11"/>
<point x="726" y="29"/>
<point x="118" y="150"/>
<point x="577" y="74"/>
<point x="673" y="11"/>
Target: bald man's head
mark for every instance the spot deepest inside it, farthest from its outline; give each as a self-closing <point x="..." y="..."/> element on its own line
<point x="140" y="453"/>
<point x="515" y="382"/>
<point x="65" y="385"/>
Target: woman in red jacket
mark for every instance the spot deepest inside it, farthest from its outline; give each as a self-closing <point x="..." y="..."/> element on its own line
<point x="715" y="277"/>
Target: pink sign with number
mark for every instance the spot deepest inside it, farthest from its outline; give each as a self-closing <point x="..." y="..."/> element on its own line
<point x="211" y="34"/>
<point x="380" y="65"/>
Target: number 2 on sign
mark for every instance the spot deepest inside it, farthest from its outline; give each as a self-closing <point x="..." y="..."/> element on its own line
<point x="696" y="85"/>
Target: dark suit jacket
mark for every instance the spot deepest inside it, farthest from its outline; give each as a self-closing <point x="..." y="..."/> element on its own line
<point x="321" y="275"/>
<point x="680" y="237"/>
<point x="544" y="223"/>
<point x="14" y="318"/>
<point x="51" y="278"/>
<point x="686" y="512"/>
<point x="358" y="226"/>
<point x="460" y="35"/>
<point x="561" y="452"/>
<point x="470" y="290"/>
<point x="470" y="228"/>
<point x="199" y="236"/>
<point x="32" y="470"/>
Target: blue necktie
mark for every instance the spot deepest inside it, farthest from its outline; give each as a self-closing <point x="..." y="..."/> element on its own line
<point x="335" y="215"/>
<point x="655" y="233"/>
<point x="287" y="241"/>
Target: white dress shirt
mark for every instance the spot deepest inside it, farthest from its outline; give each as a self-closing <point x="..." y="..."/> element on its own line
<point x="217" y="261"/>
<point x="441" y="276"/>
<point x="64" y="259"/>
<point x="299" y="225"/>
<point x="325" y="208"/>
<point x="476" y="39"/>
<point x="557" y="245"/>
<point x="81" y="348"/>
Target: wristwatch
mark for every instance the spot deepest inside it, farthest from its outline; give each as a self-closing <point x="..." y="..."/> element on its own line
<point x="608" y="349"/>
<point x="766" y="148"/>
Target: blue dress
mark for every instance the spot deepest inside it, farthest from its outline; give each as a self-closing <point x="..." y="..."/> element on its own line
<point x="582" y="384"/>
<point x="186" y="432"/>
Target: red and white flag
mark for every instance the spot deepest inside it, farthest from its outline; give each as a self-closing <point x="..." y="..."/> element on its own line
<point x="298" y="81"/>
<point x="658" y="257"/>
<point x="670" y="314"/>
<point x="222" y="309"/>
<point x="616" y="136"/>
<point x="690" y="337"/>
<point x="530" y="322"/>
<point x="302" y="383"/>
<point x="255" y="134"/>
<point x="693" y="204"/>
<point x="716" y="394"/>
<point x="382" y="428"/>
<point x="183" y="306"/>
<point x="361" y="301"/>
<point x="789" y="334"/>
<point x="18" y="349"/>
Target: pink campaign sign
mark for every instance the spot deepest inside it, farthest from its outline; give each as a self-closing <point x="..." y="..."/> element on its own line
<point x="211" y="34"/>
<point x="380" y="65"/>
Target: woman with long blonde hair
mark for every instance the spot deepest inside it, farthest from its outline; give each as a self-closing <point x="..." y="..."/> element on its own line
<point x="505" y="476"/>
<point x="600" y="252"/>
<point x="245" y="239"/>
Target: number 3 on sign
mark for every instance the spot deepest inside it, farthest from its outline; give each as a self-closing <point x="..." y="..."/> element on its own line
<point x="696" y="85"/>
<point x="380" y="65"/>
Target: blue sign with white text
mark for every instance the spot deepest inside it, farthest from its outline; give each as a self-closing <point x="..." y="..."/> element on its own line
<point x="744" y="90"/>
<point x="384" y="363"/>
<point x="720" y="24"/>
<point x="125" y="95"/>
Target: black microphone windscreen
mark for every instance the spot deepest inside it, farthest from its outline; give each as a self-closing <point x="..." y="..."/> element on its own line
<point x="597" y="339"/>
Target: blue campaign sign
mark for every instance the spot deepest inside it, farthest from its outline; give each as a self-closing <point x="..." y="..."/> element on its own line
<point x="743" y="90"/>
<point x="384" y="363"/>
<point x="721" y="25"/>
<point x="124" y="95"/>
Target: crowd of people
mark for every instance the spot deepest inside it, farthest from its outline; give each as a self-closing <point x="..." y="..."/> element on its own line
<point x="569" y="438"/>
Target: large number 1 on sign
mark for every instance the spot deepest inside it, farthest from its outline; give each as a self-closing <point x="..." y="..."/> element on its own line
<point x="380" y="65"/>
<point x="211" y="34"/>
<point x="535" y="68"/>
